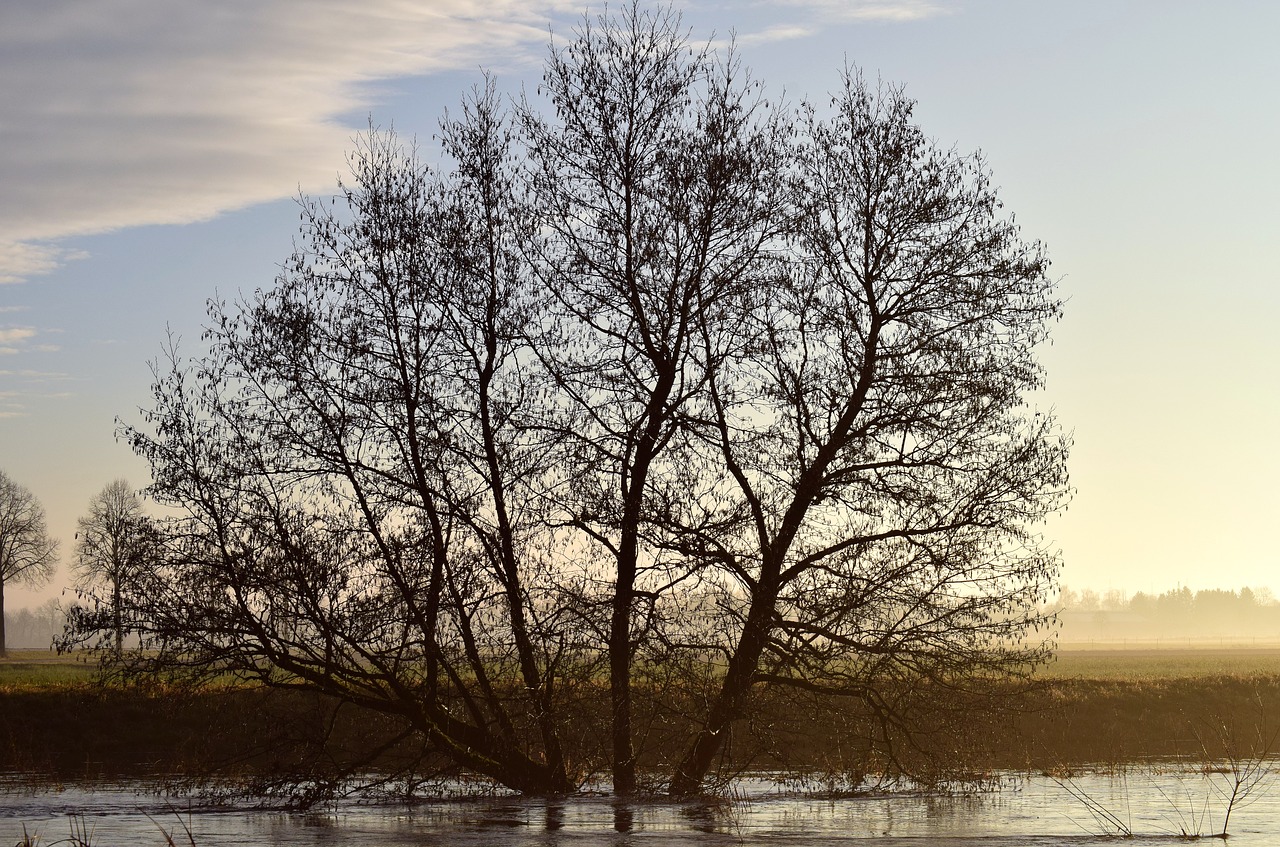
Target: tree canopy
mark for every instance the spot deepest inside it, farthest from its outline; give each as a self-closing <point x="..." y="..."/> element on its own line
<point x="652" y="395"/>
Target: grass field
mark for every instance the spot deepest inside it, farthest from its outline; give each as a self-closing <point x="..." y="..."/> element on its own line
<point x="39" y="668"/>
<point x="1147" y="663"/>
<point x="31" y="669"/>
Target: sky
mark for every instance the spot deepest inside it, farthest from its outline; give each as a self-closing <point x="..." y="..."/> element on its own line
<point x="151" y="154"/>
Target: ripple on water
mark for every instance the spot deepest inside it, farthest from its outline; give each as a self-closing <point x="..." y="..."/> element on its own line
<point x="1027" y="811"/>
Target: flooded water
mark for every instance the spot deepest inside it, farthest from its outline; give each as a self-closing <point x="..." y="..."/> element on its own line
<point x="1156" y="806"/>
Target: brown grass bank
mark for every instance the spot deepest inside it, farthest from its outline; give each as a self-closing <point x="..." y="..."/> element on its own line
<point x="1086" y="711"/>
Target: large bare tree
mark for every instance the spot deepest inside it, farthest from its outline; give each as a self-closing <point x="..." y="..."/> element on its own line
<point x="635" y="406"/>
<point x="27" y="553"/>
<point x="877" y="434"/>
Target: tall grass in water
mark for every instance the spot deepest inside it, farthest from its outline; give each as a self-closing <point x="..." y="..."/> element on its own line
<point x="82" y="835"/>
<point x="1233" y="773"/>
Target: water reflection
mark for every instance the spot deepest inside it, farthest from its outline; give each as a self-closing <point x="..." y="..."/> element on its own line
<point x="624" y="817"/>
<point x="701" y="817"/>
<point x="553" y="815"/>
<point x="505" y="816"/>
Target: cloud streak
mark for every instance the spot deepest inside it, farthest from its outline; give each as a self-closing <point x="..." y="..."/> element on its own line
<point x="868" y="10"/>
<point x="807" y="17"/>
<point x="778" y="32"/>
<point x="14" y="338"/>
<point x="21" y="260"/>
<point x="121" y="113"/>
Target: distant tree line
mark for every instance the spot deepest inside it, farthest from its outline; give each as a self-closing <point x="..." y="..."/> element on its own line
<point x="27" y="554"/>
<point x="1176" y="613"/>
<point x="34" y="628"/>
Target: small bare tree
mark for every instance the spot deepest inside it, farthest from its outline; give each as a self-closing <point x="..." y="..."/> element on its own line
<point x="114" y="541"/>
<point x="27" y="553"/>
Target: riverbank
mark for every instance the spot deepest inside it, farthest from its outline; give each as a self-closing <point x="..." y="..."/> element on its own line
<point x="1088" y="710"/>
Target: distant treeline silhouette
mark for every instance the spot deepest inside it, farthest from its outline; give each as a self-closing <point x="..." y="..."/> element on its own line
<point x="1085" y="615"/>
<point x="1177" y="613"/>
<point x="34" y="628"/>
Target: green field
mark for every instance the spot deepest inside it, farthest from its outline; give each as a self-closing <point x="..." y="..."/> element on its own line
<point x="28" y="669"/>
<point x="1148" y="663"/>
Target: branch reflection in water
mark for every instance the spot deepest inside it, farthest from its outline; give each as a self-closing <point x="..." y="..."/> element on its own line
<point x="1034" y="810"/>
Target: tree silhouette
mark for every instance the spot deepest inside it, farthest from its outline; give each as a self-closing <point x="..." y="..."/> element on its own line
<point x="636" y="405"/>
<point x="114" y="542"/>
<point x="27" y="553"/>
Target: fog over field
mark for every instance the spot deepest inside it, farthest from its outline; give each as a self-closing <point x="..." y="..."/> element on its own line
<point x="1176" y="616"/>
<point x="1171" y="618"/>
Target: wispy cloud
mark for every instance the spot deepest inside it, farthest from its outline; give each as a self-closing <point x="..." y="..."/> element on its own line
<point x="780" y="32"/>
<point x="17" y="339"/>
<point x="19" y="260"/>
<point x="868" y="10"/>
<point x="120" y="113"/>
<point x="33" y="376"/>
<point x="14" y="338"/>
<point x="14" y="404"/>
<point x="807" y="17"/>
<point x="11" y="405"/>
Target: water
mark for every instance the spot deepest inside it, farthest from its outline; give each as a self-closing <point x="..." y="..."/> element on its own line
<point x="1156" y="806"/>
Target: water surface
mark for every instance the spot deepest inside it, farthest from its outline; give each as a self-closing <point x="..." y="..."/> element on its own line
<point x="1156" y="806"/>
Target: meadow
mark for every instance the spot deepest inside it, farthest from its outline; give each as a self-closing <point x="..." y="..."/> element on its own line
<point x="1123" y="662"/>
<point x="25" y="670"/>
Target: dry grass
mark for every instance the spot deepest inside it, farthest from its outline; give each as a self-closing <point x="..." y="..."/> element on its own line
<point x="1091" y="708"/>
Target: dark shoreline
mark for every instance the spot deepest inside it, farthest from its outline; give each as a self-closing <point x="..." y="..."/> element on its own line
<point x="84" y="731"/>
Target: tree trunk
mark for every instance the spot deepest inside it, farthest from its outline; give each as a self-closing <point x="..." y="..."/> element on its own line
<point x="633" y="491"/>
<point x="624" y="764"/>
<point x="116" y="602"/>
<point x="3" y="652"/>
<point x="517" y="772"/>
<point x="533" y="779"/>
<point x="729" y="703"/>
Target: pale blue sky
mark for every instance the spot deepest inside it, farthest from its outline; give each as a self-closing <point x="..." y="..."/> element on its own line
<point x="150" y="149"/>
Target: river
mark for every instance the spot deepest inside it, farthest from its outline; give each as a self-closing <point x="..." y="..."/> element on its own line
<point x="1156" y="805"/>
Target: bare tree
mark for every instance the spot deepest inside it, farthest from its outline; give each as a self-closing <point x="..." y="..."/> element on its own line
<point x="114" y="542"/>
<point x="35" y="627"/>
<point x="658" y="177"/>
<point x="877" y="436"/>
<point x="362" y="504"/>
<point x="27" y="553"/>
<point x="667" y="385"/>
